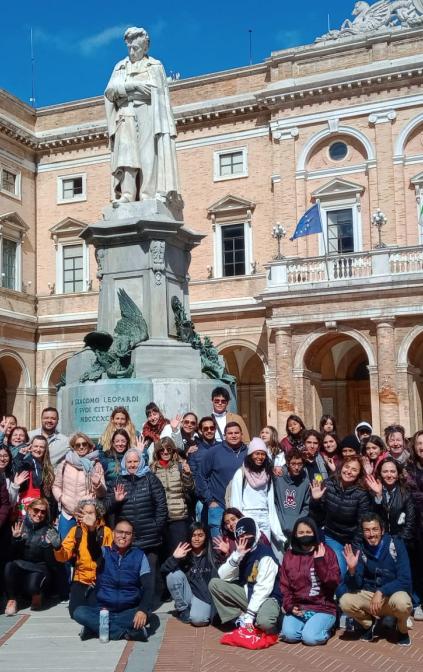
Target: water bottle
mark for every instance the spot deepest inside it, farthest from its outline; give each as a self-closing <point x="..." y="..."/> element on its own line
<point x="103" y="628"/>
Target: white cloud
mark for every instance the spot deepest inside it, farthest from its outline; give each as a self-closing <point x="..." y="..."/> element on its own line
<point x="89" y="44"/>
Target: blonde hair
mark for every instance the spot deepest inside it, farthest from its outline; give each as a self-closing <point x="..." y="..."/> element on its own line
<point x="168" y="443"/>
<point x="40" y="501"/>
<point x="106" y="437"/>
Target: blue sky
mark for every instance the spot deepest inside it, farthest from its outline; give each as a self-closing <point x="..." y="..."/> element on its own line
<point x="76" y="43"/>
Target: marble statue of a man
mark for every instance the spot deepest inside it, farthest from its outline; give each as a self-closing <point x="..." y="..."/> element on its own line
<point x="141" y="125"/>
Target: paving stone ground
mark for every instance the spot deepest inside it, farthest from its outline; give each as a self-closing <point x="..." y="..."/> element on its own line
<point x="48" y="640"/>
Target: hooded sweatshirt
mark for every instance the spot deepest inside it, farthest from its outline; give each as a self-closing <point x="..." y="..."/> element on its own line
<point x="292" y="498"/>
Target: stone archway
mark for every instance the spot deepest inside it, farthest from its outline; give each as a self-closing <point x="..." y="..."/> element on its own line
<point x="414" y="370"/>
<point x="336" y="381"/>
<point x="14" y="382"/>
<point x="246" y="364"/>
<point x="52" y="377"/>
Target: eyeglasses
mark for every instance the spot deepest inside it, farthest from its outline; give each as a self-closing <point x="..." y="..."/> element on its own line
<point x="219" y="401"/>
<point x="189" y="422"/>
<point x="39" y="512"/>
<point x="208" y="428"/>
<point x="123" y="533"/>
<point x="83" y="444"/>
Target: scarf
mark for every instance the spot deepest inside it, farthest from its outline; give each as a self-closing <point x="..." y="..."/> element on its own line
<point x="85" y="463"/>
<point x="256" y="479"/>
<point x="153" y="432"/>
<point x="165" y="464"/>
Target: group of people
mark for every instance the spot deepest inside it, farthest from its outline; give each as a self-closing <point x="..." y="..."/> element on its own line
<point x="285" y="538"/>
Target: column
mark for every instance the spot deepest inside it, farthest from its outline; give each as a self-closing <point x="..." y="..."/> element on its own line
<point x="388" y="394"/>
<point x="382" y="122"/>
<point x="284" y="377"/>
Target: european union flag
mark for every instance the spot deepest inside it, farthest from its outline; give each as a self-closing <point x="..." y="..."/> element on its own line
<point x="310" y="222"/>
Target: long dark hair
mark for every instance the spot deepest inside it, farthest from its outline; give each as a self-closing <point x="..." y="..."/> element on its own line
<point x="295" y="546"/>
<point x="9" y="471"/>
<point x="361" y="476"/>
<point x="300" y="422"/>
<point x="413" y="457"/>
<point x="251" y="466"/>
<point x="323" y="421"/>
<point x="402" y="482"/>
<point x="233" y="512"/>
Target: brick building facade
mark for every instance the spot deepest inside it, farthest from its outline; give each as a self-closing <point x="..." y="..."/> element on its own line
<point x="336" y="122"/>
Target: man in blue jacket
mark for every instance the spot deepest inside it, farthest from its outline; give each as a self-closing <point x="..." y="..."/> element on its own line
<point x="377" y="581"/>
<point x="217" y="469"/>
<point x="123" y="587"/>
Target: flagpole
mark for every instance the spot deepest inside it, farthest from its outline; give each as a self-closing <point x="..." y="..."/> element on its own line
<point x="324" y="242"/>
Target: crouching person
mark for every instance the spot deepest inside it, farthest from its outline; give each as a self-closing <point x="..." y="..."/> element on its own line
<point x="378" y="581"/>
<point x="247" y="590"/>
<point x="123" y="587"/>
<point x="309" y="577"/>
<point x="189" y="571"/>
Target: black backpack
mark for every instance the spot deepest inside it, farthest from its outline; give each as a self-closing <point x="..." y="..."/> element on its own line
<point x="78" y="537"/>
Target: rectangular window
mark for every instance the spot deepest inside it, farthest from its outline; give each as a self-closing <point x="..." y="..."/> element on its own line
<point x="230" y="164"/>
<point x="73" y="269"/>
<point x="8" y="181"/>
<point x="340" y="231"/>
<point x="9" y="255"/>
<point x="233" y="250"/>
<point x="72" y="187"/>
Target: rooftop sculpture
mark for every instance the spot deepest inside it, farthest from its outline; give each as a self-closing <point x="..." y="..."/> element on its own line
<point x="381" y="15"/>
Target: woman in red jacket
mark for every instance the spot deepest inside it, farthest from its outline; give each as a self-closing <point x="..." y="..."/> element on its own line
<point x="308" y="580"/>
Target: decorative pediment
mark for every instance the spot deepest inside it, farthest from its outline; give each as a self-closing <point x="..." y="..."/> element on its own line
<point x="230" y="207"/>
<point x="417" y="179"/>
<point x="13" y="224"/>
<point x="68" y="227"/>
<point x="338" y="189"/>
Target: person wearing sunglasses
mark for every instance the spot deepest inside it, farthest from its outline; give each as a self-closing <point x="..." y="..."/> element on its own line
<point x="220" y="401"/>
<point x="124" y="587"/>
<point x="79" y="476"/>
<point x="29" y="572"/>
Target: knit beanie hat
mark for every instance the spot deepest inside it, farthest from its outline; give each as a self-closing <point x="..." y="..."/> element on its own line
<point x="258" y="444"/>
<point x="245" y="526"/>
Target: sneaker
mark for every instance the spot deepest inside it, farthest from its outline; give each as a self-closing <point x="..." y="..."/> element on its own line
<point x="369" y="634"/>
<point x="403" y="639"/>
<point x="183" y="616"/>
<point x="85" y="634"/>
<point x="11" y="608"/>
<point x="140" y="635"/>
<point x="418" y="613"/>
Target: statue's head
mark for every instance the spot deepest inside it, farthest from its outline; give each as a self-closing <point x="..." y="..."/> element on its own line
<point x="360" y="7"/>
<point x="138" y="42"/>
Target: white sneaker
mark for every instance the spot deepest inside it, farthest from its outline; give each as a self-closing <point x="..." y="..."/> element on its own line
<point x="410" y="623"/>
<point x="418" y="613"/>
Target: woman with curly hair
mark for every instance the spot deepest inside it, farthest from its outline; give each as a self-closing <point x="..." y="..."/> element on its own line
<point x="119" y="419"/>
<point x="176" y="477"/>
<point x="80" y="475"/>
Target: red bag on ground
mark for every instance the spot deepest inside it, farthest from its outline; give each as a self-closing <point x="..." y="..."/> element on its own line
<point x="249" y="638"/>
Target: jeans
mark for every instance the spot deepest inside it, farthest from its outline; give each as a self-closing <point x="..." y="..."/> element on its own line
<point x="180" y="590"/>
<point x="120" y="623"/>
<point x="81" y="595"/>
<point x="338" y="549"/>
<point x="214" y="520"/>
<point x="314" y="631"/>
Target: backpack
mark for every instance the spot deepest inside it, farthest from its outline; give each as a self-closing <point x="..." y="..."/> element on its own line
<point x="77" y="542"/>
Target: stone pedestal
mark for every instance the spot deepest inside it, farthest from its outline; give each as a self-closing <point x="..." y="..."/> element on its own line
<point x="141" y="248"/>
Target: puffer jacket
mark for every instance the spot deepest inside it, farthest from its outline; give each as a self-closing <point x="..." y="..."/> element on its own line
<point x="85" y="567"/>
<point x="144" y="506"/>
<point x="177" y="485"/>
<point x="398" y="513"/>
<point x="32" y="551"/>
<point x="72" y="484"/>
<point x="415" y="484"/>
<point x="340" y="509"/>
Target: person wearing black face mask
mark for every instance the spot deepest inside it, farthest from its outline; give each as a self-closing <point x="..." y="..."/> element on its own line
<point x="308" y="580"/>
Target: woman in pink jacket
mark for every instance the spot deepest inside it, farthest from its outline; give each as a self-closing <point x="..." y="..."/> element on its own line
<point x="79" y="476"/>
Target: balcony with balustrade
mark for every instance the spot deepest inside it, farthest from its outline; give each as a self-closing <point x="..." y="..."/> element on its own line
<point x="379" y="267"/>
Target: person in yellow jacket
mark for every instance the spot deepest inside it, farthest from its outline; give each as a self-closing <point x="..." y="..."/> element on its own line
<point x="75" y="549"/>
